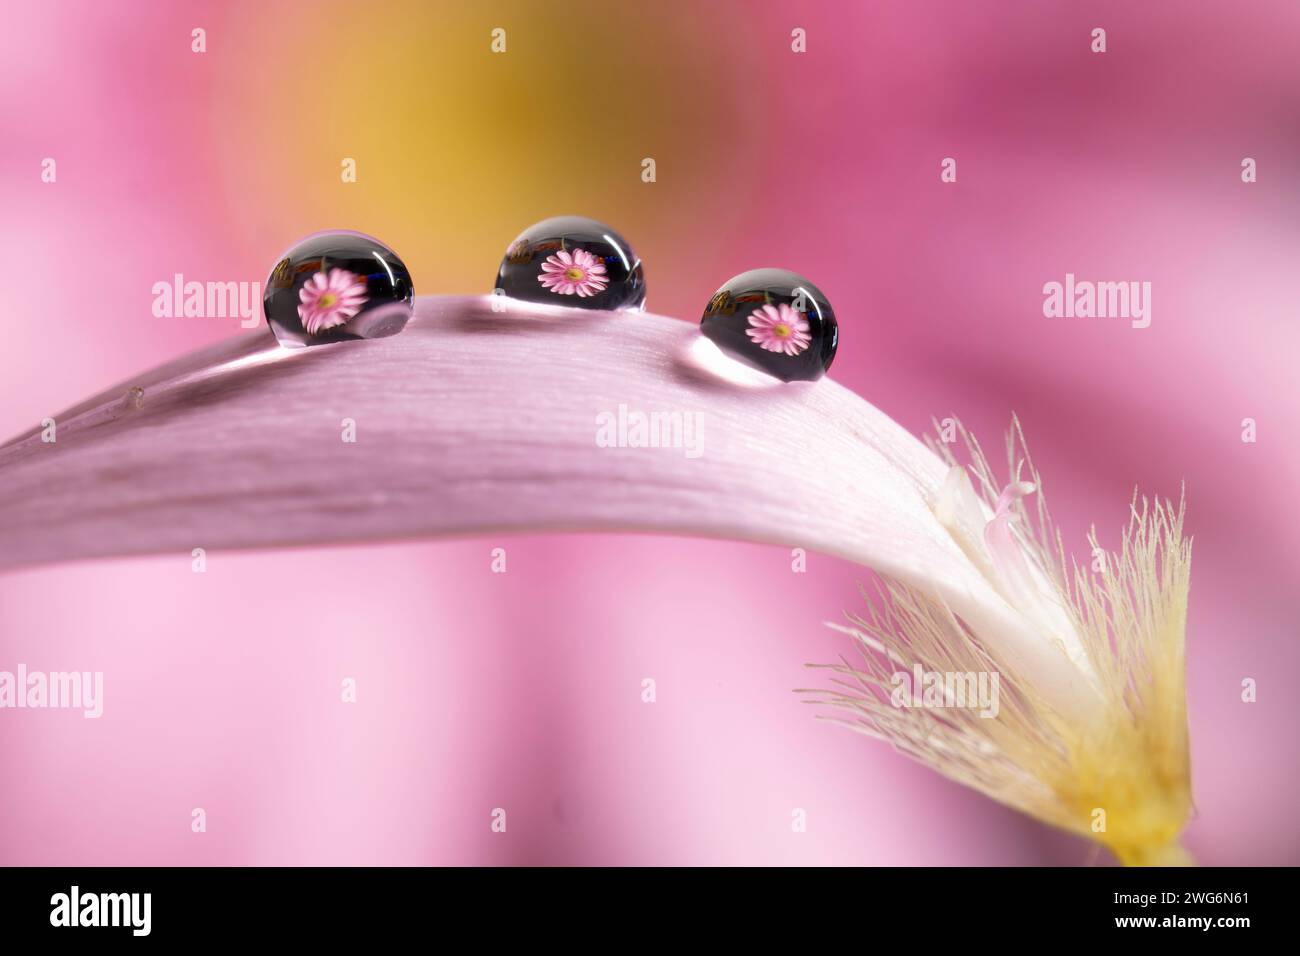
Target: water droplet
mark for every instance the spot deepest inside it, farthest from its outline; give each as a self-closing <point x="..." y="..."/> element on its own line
<point x="334" y="286"/>
<point x="572" y="261"/>
<point x="776" y="321"/>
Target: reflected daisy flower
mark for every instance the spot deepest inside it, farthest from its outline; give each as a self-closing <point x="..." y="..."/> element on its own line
<point x="328" y="301"/>
<point x="577" y="273"/>
<point x="779" y="328"/>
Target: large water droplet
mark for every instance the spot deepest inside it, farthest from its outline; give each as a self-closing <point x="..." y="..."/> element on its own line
<point x="776" y="321"/>
<point x="573" y="261"/>
<point x="334" y="286"/>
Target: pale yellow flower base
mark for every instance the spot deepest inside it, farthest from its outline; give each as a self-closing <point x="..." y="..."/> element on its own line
<point x="1091" y="732"/>
<point x="1173" y="854"/>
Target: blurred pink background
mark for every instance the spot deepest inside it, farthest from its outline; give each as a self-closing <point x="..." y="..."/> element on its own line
<point x="522" y="691"/>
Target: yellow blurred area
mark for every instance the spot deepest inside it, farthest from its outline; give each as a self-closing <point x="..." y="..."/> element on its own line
<point x="458" y="148"/>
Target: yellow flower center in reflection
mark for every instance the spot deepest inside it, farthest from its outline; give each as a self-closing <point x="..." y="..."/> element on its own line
<point x="781" y="330"/>
<point x="327" y="300"/>
<point x="573" y="273"/>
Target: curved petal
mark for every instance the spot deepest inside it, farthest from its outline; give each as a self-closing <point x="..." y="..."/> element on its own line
<point x="472" y="421"/>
